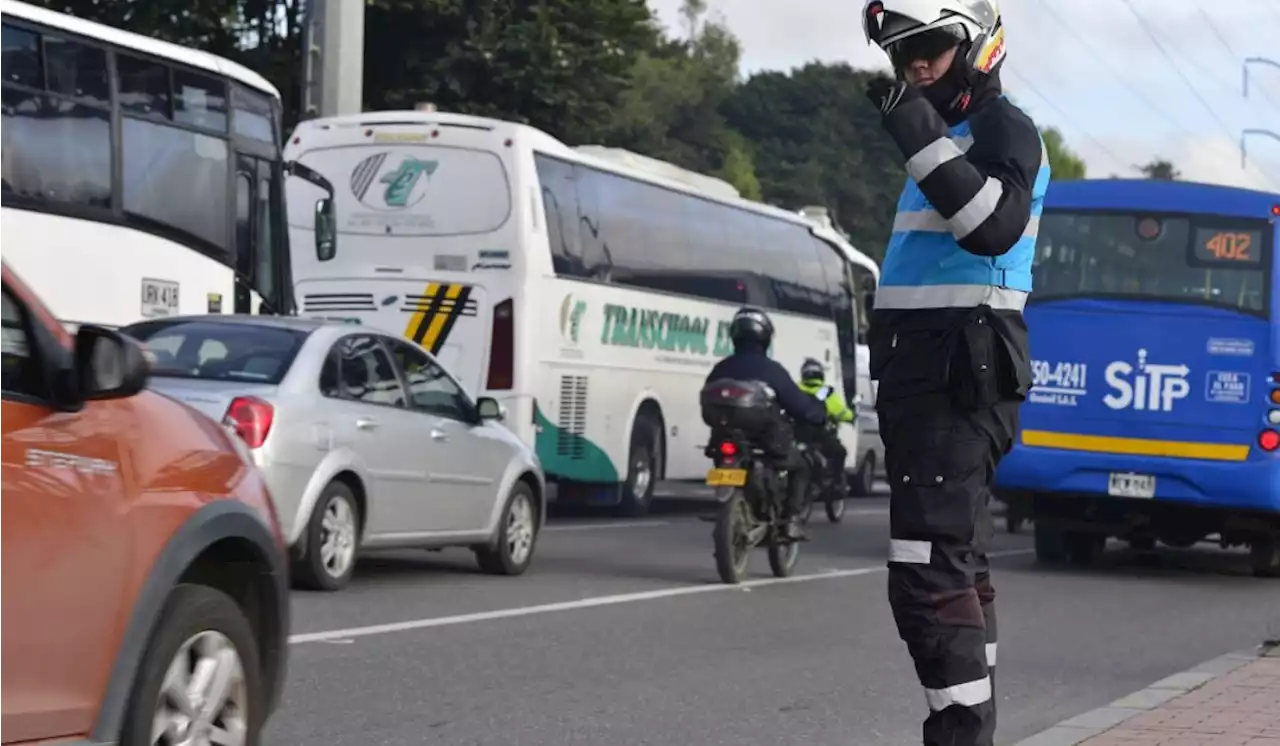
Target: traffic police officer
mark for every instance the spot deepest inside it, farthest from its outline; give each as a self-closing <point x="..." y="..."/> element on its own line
<point x="751" y="331"/>
<point x="813" y="379"/>
<point x="948" y="342"/>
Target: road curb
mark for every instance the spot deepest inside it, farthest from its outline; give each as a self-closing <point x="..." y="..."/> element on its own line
<point x="1077" y="729"/>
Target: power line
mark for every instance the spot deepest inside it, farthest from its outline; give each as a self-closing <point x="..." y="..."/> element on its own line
<point x="1071" y="120"/>
<point x="1235" y="57"/>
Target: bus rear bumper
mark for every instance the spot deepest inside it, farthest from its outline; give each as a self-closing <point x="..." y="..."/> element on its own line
<point x="1238" y="486"/>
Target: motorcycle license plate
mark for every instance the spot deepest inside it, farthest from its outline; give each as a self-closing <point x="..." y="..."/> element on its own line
<point x="727" y="477"/>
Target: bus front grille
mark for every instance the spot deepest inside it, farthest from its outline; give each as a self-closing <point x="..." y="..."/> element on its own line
<point x="570" y="442"/>
<point x="321" y="302"/>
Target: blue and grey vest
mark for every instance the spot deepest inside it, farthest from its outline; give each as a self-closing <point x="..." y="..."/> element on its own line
<point x="924" y="266"/>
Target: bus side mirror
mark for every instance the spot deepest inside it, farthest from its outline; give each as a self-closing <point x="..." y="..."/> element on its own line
<point x="326" y="236"/>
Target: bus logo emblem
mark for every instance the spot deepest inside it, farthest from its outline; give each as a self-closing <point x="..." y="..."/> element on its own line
<point x="571" y="317"/>
<point x="404" y="181"/>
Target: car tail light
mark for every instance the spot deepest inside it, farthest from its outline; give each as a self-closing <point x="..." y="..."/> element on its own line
<point x="728" y="449"/>
<point x="1269" y="440"/>
<point x="1275" y="396"/>
<point x="502" y="354"/>
<point x="251" y="418"/>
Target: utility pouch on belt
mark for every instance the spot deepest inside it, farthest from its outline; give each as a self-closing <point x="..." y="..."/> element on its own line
<point x="978" y="373"/>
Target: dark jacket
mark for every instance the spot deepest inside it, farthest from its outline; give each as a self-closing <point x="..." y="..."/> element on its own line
<point x="753" y="364"/>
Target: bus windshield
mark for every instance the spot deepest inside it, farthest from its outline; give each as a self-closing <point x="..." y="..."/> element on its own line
<point x="1182" y="258"/>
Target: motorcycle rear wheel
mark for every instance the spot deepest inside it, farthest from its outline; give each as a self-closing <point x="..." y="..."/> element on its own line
<point x="732" y="547"/>
<point x="782" y="557"/>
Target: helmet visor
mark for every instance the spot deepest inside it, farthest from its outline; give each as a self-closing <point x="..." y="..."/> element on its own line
<point x="925" y="46"/>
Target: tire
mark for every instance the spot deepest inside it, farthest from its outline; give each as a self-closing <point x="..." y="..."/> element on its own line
<point x="783" y="557"/>
<point x="1084" y="549"/>
<point x="1050" y="543"/>
<point x="1264" y="558"/>
<point x="807" y="513"/>
<point x="199" y="619"/>
<point x="836" y="509"/>
<point x="729" y="537"/>
<point x="517" y="535"/>
<point x="335" y="517"/>
<point x="643" y="468"/>
<point x="864" y="479"/>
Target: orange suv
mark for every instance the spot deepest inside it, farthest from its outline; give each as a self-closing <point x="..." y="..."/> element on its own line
<point x="145" y="596"/>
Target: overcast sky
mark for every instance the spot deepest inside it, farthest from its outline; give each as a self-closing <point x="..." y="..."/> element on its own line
<point x="1087" y="67"/>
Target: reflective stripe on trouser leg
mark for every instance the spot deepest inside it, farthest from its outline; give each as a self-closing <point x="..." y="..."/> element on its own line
<point x="937" y="481"/>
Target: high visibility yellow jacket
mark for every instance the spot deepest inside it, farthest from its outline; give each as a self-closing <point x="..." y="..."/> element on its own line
<point x="837" y="410"/>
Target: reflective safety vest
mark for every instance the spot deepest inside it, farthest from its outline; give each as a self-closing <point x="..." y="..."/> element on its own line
<point x="924" y="266"/>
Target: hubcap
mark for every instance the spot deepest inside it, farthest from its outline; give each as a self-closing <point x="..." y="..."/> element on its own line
<point x="337" y="537"/>
<point x="520" y="529"/>
<point x="203" y="699"/>
<point x="642" y="472"/>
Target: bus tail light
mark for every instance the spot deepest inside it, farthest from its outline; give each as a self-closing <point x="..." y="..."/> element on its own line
<point x="251" y="418"/>
<point x="1269" y="440"/>
<point x="502" y="353"/>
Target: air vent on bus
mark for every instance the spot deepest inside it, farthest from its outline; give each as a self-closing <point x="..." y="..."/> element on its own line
<point x="320" y="302"/>
<point x="573" y="417"/>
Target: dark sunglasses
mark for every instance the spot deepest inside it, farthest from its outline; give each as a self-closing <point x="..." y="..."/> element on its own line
<point x="926" y="46"/>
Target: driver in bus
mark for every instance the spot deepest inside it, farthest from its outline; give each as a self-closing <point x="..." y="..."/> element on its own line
<point x="947" y="338"/>
<point x="751" y="332"/>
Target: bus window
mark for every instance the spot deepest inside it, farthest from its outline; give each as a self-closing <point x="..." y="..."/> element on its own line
<point x="1212" y="260"/>
<point x="560" y="213"/>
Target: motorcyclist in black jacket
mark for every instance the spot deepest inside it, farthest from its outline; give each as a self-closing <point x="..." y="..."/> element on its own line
<point x="752" y="333"/>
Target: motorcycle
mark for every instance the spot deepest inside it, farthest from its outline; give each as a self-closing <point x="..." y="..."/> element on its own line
<point x="749" y="438"/>
<point x="823" y="488"/>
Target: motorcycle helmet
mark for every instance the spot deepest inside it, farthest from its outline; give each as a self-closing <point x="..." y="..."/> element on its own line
<point x="812" y="370"/>
<point x="751" y="325"/>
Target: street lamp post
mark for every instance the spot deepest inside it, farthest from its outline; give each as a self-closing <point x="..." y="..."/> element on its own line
<point x="1244" y="136"/>
<point x="1244" y="70"/>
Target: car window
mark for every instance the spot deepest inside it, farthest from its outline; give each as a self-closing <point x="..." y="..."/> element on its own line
<point x="21" y="368"/>
<point x="365" y="371"/>
<point x="430" y="387"/>
<point x="217" y="350"/>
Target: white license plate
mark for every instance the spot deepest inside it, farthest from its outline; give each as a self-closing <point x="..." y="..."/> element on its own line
<point x="1131" y="485"/>
<point x="159" y="298"/>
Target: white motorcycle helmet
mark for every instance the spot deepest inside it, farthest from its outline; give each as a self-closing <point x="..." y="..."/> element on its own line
<point x="891" y="24"/>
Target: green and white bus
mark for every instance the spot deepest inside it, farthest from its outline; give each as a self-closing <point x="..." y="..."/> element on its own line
<point x="588" y="289"/>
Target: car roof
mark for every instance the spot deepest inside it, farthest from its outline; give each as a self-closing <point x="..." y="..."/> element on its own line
<point x="293" y="323"/>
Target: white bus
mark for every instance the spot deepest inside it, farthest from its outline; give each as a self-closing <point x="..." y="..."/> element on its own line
<point x="140" y="178"/>
<point x="587" y="289"/>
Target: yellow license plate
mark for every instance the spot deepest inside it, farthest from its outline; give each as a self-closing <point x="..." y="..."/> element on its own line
<point x="727" y="477"/>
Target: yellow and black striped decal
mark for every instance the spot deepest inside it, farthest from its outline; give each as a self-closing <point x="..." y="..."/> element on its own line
<point x="435" y="312"/>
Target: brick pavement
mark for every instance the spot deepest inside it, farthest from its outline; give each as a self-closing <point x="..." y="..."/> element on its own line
<point x="1240" y="708"/>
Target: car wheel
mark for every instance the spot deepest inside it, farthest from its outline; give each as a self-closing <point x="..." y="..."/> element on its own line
<point x="864" y="479"/>
<point x="199" y="681"/>
<point x="642" y="468"/>
<point x="333" y="538"/>
<point x="517" y="535"/>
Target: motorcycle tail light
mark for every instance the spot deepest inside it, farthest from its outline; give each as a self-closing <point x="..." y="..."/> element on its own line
<point x="728" y="450"/>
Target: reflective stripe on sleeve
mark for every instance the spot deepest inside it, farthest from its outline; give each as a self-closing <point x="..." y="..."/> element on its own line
<point x="905" y="297"/>
<point x="910" y="552"/>
<point x="823" y="393"/>
<point x="931" y="156"/>
<point x="991" y="655"/>
<point x="969" y="694"/>
<point x="978" y="209"/>
<point x="931" y="221"/>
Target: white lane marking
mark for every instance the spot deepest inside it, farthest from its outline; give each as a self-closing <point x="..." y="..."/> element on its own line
<point x="590" y="603"/>
<point x="601" y="526"/>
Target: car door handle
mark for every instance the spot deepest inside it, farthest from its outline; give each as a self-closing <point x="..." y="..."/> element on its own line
<point x="439" y="435"/>
<point x="366" y="423"/>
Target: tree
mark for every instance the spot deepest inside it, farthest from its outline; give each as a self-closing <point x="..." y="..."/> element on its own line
<point x="1064" y="164"/>
<point x="559" y="65"/>
<point x="1160" y="169"/>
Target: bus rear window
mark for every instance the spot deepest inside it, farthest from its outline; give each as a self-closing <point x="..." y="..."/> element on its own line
<point x="1204" y="259"/>
<point x="408" y="190"/>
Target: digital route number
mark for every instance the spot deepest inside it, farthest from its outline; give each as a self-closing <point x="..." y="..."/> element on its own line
<point x="1228" y="247"/>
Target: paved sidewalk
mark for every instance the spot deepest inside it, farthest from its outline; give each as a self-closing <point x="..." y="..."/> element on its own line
<point x="1229" y="701"/>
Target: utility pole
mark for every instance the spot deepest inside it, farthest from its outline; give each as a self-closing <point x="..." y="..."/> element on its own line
<point x="333" y="59"/>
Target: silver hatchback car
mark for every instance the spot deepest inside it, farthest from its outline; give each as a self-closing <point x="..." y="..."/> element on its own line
<point x="365" y="440"/>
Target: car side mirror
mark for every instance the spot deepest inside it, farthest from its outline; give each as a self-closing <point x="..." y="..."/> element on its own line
<point x="489" y="409"/>
<point x="108" y="365"/>
<point x="326" y="235"/>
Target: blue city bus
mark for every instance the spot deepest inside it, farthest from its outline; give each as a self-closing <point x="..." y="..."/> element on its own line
<point x="1154" y="413"/>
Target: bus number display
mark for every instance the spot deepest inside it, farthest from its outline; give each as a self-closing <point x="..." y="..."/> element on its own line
<point x="1228" y="247"/>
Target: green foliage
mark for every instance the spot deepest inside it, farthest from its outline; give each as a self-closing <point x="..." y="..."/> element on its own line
<point x="1160" y="170"/>
<point x="1064" y="164"/>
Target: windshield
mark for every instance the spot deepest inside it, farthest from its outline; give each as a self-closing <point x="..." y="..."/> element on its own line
<point x="408" y="190"/>
<point x="1203" y="259"/>
<point x="218" y="351"/>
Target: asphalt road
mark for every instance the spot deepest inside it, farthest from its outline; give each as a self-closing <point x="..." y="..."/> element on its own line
<point x="621" y="635"/>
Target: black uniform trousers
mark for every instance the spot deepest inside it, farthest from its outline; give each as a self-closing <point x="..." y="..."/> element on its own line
<point x="941" y="462"/>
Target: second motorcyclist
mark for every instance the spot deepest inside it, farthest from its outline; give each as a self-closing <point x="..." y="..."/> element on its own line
<point x="751" y="331"/>
<point x="813" y="382"/>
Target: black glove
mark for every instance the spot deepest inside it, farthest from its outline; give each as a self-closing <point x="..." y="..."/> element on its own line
<point x="886" y="94"/>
